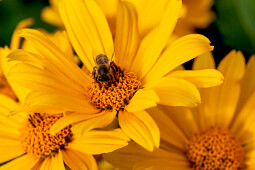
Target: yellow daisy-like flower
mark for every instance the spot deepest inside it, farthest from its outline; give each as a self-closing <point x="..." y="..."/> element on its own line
<point x="218" y="134"/>
<point x="26" y="141"/>
<point x="140" y="74"/>
<point x="25" y="138"/>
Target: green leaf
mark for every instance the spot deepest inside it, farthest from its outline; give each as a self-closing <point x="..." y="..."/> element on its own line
<point x="236" y="22"/>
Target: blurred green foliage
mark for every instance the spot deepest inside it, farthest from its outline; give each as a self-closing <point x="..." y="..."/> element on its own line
<point x="236" y="22"/>
<point x="13" y="11"/>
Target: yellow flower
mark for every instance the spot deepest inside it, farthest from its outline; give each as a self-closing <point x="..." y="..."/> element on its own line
<point x="25" y="139"/>
<point x="140" y="75"/>
<point x="218" y="134"/>
<point x="196" y="14"/>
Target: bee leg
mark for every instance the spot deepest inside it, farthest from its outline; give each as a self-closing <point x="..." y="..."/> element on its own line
<point x="94" y="72"/>
<point x="116" y="72"/>
<point x="120" y="72"/>
<point x="110" y="77"/>
<point x="96" y="78"/>
<point x="110" y="80"/>
<point x="113" y="67"/>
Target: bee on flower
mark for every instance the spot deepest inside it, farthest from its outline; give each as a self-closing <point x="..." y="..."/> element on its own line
<point x="142" y="74"/>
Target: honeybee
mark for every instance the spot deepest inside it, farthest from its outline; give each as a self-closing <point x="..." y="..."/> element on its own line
<point x="104" y="71"/>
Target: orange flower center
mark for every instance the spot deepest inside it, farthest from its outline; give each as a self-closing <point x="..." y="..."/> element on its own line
<point x="6" y="89"/>
<point x="215" y="148"/>
<point x="36" y="138"/>
<point x="115" y="93"/>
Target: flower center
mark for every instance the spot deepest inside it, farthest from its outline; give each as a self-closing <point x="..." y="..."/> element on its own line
<point x="215" y="148"/>
<point x="36" y="138"/>
<point x="115" y="93"/>
<point x="5" y="88"/>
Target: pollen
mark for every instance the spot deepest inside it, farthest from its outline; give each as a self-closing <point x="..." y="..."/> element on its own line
<point x="36" y="138"/>
<point x="115" y="94"/>
<point x="6" y="89"/>
<point x="215" y="148"/>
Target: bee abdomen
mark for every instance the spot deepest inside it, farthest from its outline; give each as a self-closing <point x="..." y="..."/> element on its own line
<point x="102" y="59"/>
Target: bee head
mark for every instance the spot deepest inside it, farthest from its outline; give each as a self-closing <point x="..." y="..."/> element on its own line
<point x="103" y="78"/>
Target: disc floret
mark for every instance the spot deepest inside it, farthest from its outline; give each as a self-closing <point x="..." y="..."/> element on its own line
<point x="36" y="138"/>
<point x="113" y="94"/>
<point x="215" y="148"/>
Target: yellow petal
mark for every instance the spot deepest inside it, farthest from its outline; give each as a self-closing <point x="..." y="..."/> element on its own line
<point x="126" y="39"/>
<point x="9" y="124"/>
<point x="243" y="123"/>
<point x="153" y="44"/>
<point x="4" y="67"/>
<point x="26" y="57"/>
<point x="24" y="162"/>
<point x="151" y="125"/>
<point x="179" y="52"/>
<point x="141" y="128"/>
<point x="156" y="163"/>
<point x="10" y="147"/>
<point x="97" y="142"/>
<point x="6" y="106"/>
<point x="54" y="162"/>
<point x="61" y="39"/>
<point x="87" y="28"/>
<point x="50" y="102"/>
<point x="109" y="8"/>
<point x="200" y="78"/>
<point x="172" y="134"/>
<point x="143" y="99"/>
<point x="35" y="78"/>
<point x="38" y="165"/>
<point x="82" y="123"/>
<point x="224" y="98"/>
<point x="204" y="61"/>
<point x="202" y="112"/>
<point x="249" y="159"/>
<point x="54" y="56"/>
<point x="150" y="13"/>
<point x="51" y="16"/>
<point x="15" y="41"/>
<point x="47" y="67"/>
<point x="175" y="92"/>
<point x="19" y="91"/>
<point x="7" y="132"/>
<point x="248" y="81"/>
<point x="78" y="160"/>
<point x="127" y="157"/>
